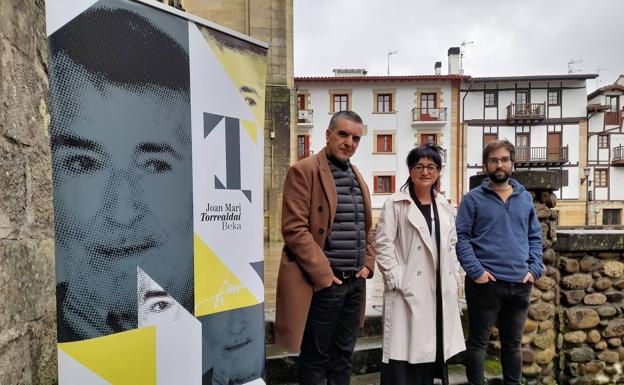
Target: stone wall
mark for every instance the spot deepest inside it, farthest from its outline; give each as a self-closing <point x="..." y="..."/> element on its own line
<point x="28" y="318"/>
<point x="590" y="314"/>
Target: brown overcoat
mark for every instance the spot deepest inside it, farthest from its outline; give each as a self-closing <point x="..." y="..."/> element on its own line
<point x="308" y="211"/>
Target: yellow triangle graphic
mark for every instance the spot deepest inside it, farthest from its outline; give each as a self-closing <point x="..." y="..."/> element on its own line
<point x="251" y="130"/>
<point x="127" y="358"/>
<point x="217" y="289"/>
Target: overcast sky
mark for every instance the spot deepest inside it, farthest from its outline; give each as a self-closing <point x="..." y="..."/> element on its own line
<point x="523" y="37"/>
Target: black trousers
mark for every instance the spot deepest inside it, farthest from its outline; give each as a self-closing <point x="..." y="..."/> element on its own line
<point x="504" y="304"/>
<point x="330" y="334"/>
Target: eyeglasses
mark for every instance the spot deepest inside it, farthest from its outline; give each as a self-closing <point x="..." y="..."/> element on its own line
<point x="431" y="168"/>
<point x="494" y="161"/>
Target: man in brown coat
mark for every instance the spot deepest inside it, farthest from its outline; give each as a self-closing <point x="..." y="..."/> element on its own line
<point x="328" y="253"/>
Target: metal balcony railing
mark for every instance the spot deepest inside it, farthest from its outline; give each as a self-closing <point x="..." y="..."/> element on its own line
<point x="526" y="111"/>
<point x="305" y="116"/>
<point x="429" y="114"/>
<point x="617" y="156"/>
<point x="547" y="156"/>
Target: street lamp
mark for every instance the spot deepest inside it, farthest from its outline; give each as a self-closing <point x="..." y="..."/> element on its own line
<point x="586" y="172"/>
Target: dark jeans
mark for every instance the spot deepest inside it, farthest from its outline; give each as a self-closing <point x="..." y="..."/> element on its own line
<point x="504" y="304"/>
<point x="330" y="334"/>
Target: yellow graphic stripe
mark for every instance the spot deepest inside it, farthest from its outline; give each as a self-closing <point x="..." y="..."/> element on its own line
<point x="127" y="358"/>
<point x="217" y="289"/>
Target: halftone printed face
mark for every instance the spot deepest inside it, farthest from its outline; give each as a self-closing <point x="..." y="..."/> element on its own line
<point x="236" y="342"/>
<point x="123" y="198"/>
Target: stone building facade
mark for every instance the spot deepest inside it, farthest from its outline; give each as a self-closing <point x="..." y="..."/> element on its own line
<point x="272" y="22"/>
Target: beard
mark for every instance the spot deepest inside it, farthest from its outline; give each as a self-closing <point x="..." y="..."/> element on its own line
<point x="499" y="176"/>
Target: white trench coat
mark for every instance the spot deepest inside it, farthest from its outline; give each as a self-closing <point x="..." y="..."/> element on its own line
<point x="405" y="256"/>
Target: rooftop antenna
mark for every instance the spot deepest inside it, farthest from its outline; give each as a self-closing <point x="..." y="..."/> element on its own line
<point x="571" y="64"/>
<point x="598" y="71"/>
<point x="463" y="44"/>
<point x="390" y="53"/>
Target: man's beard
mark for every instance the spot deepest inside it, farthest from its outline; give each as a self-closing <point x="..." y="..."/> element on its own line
<point x="499" y="179"/>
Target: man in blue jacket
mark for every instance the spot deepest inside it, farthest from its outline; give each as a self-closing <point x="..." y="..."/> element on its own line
<point x="500" y="248"/>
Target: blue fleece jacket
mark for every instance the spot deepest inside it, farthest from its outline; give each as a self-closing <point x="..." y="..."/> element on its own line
<point x="502" y="238"/>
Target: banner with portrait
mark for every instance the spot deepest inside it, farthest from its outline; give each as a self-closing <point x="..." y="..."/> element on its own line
<point x="157" y="160"/>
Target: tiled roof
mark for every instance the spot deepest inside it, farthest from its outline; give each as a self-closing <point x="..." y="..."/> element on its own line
<point x="535" y="77"/>
<point x="404" y="78"/>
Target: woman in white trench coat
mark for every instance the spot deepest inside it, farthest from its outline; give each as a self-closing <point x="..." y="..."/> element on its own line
<point x="422" y="328"/>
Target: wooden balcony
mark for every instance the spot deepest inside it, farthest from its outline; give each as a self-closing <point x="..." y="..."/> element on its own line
<point x="541" y="156"/>
<point x="428" y="116"/>
<point x="305" y="118"/>
<point x="527" y="112"/>
<point x="617" y="156"/>
<point x="613" y="118"/>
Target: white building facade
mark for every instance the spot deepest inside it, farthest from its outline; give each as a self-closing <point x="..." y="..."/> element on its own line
<point x="399" y="113"/>
<point x="605" y="148"/>
<point x="543" y="116"/>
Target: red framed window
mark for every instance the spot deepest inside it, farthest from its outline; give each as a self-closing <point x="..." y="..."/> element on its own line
<point x="384" y="184"/>
<point x="384" y="143"/>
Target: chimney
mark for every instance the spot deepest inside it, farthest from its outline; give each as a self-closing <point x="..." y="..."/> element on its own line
<point x="453" y="61"/>
<point x="438" y="68"/>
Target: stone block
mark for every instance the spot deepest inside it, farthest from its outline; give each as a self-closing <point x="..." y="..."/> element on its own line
<point x="589" y="264"/>
<point x="548" y="296"/>
<point x="614" y="342"/>
<point x="608" y="255"/>
<point x="594" y="367"/>
<point x="595" y="299"/>
<point x="545" y="356"/>
<point x="535" y="295"/>
<point x="577" y="281"/>
<point x="575" y="337"/>
<point x="614" y="296"/>
<point x="541" y="311"/>
<point x="570" y="265"/>
<point x="619" y="284"/>
<point x="593" y="336"/>
<point x="530" y="326"/>
<point x="609" y="356"/>
<point x="545" y="283"/>
<point x="544" y="340"/>
<point x="607" y="311"/>
<point x="602" y="284"/>
<point x="546" y="325"/>
<point x="601" y="345"/>
<point x="580" y="381"/>
<point x="574" y="297"/>
<point x="614" y="269"/>
<point x="533" y="370"/>
<point x="581" y="354"/>
<point x="528" y="357"/>
<point x="615" y="328"/>
<point x="582" y="318"/>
